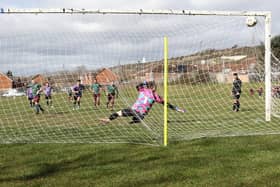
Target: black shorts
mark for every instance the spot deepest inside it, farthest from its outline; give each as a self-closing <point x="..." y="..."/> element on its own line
<point x="235" y="95"/>
<point x="96" y="95"/>
<point x="77" y="96"/>
<point x="48" y="97"/>
<point x="136" y="116"/>
<point x="111" y="96"/>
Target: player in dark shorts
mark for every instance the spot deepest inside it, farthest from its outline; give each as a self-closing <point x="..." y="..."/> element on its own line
<point x="36" y="91"/>
<point x="260" y="91"/>
<point x="48" y="94"/>
<point x="70" y="94"/>
<point x="236" y="92"/>
<point x="30" y="95"/>
<point x="146" y="98"/>
<point x="112" y="93"/>
<point x="77" y="91"/>
<point x="96" y="88"/>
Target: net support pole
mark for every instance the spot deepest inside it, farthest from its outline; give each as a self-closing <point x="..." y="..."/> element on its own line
<point x="165" y="126"/>
<point x="268" y="67"/>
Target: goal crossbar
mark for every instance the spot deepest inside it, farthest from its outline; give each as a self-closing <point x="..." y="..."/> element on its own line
<point x="139" y="11"/>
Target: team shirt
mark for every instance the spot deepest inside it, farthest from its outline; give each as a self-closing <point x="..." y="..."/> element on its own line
<point x="48" y="91"/>
<point x="35" y="88"/>
<point x="78" y="89"/>
<point x="145" y="100"/>
<point x="96" y="88"/>
<point x="236" y="86"/>
<point x="29" y="93"/>
<point x="112" y="89"/>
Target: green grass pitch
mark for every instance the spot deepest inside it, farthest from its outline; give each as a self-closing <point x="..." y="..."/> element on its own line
<point x="235" y="161"/>
<point x="216" y="160"/>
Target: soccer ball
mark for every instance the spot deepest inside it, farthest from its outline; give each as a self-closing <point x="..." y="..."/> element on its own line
<point x="251" y="21"/>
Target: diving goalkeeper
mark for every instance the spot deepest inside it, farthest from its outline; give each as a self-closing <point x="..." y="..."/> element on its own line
<point x="146" y="98"/>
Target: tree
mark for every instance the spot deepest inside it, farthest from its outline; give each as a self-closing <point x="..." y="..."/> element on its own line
<point x="259" y="74"/>
<point x="10" y="74"/>
<point x="275" y="46"/>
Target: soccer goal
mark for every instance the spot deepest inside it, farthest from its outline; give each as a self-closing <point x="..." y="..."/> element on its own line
<point x="93" y="60"/>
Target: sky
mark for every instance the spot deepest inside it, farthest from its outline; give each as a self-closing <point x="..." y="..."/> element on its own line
<point x="261" y="5"/>
<point x="35" y="44"/>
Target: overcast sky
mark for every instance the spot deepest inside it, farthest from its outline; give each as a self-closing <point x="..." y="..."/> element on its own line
<point x="32" y="46"/>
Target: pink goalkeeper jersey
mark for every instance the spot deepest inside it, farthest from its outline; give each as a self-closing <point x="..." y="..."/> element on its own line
<point x="145" y="100"/>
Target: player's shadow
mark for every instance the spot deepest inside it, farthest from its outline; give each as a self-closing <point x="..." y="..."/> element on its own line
<point x="57" y="114"/>
<point x="49" y="169"/>
<point x="246" y="110"/>
<point x="46" y="169"/>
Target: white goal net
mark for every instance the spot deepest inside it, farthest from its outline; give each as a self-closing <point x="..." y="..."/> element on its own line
<point x="126" y="49"/>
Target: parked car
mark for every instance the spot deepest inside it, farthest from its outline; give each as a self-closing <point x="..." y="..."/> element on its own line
<point x="13" y="93"/>
<point x="65" y="89"/>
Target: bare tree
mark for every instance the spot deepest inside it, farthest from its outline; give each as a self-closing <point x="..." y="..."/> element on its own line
<point x="10" y="74"/>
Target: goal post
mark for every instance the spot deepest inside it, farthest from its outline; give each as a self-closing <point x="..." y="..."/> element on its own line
<point x="165" y="135"/>
<point x="191" y="56"/>
<point x="268" y="105"/>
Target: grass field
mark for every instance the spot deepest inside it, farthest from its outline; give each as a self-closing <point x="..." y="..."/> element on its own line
<point x="236" y="161"/>
<point x="209" y="114"/>
<point x="216" y="160"/>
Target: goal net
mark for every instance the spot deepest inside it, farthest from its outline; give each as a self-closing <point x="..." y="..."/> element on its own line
<point x="275" y="62"/>
<point x="126" y="49"/>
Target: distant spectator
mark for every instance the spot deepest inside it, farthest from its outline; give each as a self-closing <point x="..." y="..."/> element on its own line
<point x="70" y="94"/>
<point x="236" y="92"/>
<point x="276" y="91"/>
<point x="252" y="91"/>
<point x="260" y="91"/>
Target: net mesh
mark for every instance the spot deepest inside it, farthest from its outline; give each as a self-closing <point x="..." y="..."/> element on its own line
<point x="204" y="52"/>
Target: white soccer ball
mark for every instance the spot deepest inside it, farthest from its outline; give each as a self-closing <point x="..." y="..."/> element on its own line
<point x="251" y="21"/>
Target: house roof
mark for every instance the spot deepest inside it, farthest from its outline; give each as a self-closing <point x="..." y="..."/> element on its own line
<point x="2" y="74"/>
<point x="106" y="75"/>
<point x="234" y="58"/>
<point x="38" y="75"/>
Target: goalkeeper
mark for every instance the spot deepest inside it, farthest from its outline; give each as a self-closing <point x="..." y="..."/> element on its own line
<point x="146" y="98"/>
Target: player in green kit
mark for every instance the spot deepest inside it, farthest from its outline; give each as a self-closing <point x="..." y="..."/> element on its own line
<point x="36" y="91"/>
<point x="96" y="88"/>
<point x="112" y="92"/>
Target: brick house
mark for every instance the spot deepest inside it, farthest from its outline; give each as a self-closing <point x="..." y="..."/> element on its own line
<point x="5" y="82"/>
<point x="39" y="79"/>
<point x="104" y="76"/>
